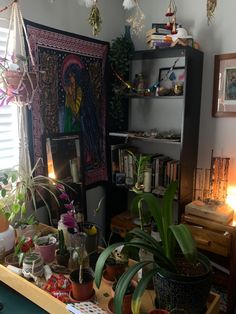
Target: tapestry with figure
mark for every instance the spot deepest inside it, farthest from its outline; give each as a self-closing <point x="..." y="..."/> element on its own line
<point x="72" y="94"/>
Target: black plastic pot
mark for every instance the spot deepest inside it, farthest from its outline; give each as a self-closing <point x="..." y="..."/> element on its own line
<point x="189" y="293"/>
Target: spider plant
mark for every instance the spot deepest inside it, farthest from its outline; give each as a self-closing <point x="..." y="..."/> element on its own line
<point x="163" y="252"/>
<point x="20" y="188"/>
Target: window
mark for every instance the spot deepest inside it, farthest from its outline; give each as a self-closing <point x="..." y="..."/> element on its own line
<point x="9" y="143"/>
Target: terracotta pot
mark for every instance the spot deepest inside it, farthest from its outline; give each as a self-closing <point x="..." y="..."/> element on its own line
<point x="82" y="291"/>
<point x="62" y="259"/>
<point x="47" y="251"/>
<point x="26" y="231"/>
<point x="126" y="305"/>
<point x="114" y="271"/>
<point x="4" y="224"/>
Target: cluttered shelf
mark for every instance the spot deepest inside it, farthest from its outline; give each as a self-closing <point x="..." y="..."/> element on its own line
<point x="145" y="136"/>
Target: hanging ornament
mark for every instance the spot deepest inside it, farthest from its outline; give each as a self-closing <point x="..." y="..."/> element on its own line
<point x="136" y="20"/>
<point x="211" y="5"/>
<point x="129" y="4"/>
<point x="171" y="15"/>
<point x="95" y="18"/>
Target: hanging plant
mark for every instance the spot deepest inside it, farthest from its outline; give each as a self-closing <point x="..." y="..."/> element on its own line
<point x="17" y="84"/>
<point x="95" y="19"/>
<point x="211" y="6"/>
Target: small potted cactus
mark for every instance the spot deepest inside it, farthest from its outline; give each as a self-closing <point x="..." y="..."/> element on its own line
<point x="62" y="253"/>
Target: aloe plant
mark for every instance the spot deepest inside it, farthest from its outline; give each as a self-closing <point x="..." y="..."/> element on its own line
<point x="163" y="252"/>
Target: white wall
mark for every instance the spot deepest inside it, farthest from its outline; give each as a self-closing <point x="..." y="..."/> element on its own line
<point x="219" y="37"/>
<point x="67" y="15"/>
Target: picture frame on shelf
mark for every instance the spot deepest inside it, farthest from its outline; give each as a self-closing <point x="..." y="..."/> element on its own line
<point x="224" y="86"/>
<point x="172" y="79"/>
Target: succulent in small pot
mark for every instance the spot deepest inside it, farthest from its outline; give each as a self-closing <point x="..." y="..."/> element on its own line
<point x="114" y="269"/>
<point x="46" y="246"/>
<point x="62" y="253"/>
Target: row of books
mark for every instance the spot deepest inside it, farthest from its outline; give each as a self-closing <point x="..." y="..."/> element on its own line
<point x="164" y="169"/>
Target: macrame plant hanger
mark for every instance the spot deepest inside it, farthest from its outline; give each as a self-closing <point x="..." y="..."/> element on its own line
<point x="20" y="84"/>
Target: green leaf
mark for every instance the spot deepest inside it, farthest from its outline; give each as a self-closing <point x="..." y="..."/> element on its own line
<point x="140" y="288"/>
<point x="186" y="241"/>
<point x="3" y="192"/>
<point x="124" y="282"/>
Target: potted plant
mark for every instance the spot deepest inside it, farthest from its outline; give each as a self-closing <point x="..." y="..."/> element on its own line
<point x="126" y="305"/>
<point x="21" y="190"/>
<point x="115" y="266"/>
<point x="82" y="277"/>
<point x="26" y="226"/>
<point x="62" y="253"/>
<point x="185" y="289"/>
<point x="46" y="247"/>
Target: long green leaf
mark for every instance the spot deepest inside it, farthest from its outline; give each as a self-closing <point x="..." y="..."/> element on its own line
<point x="123" y="283"/>
<point x="101" y="261"/>
<point x="140" y="288"/>
<point x="186" y="242"/>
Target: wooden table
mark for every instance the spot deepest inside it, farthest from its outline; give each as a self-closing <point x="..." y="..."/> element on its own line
<point x="103" y="295"/>
<point x="52" y="305"/>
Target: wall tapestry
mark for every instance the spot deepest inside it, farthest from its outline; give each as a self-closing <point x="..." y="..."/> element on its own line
<point x="72" y="97"/>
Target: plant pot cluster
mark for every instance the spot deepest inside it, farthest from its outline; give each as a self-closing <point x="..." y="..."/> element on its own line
<point x="176" y="287"/>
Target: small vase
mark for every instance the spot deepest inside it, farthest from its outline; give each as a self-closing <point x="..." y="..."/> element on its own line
<point x="128" y="37"/>
<point x="33" y="265"/>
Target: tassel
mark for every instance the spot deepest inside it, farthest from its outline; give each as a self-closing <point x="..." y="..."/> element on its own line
<point x="129" y="4"/>
<point x="89" y="3"/>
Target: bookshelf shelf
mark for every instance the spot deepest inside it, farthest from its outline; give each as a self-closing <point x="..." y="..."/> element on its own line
<point x="148" y="139"/>
<point x="167" y="97"/>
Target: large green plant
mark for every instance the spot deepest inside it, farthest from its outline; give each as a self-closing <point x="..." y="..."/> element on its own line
<point x="163" y="252"/>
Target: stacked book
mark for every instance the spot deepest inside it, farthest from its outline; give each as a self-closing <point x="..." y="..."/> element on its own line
<point x="158" y="37"/>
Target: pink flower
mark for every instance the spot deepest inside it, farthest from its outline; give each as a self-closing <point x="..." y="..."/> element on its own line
<point x="70" y="206"/>
<point x="64" y="196"/>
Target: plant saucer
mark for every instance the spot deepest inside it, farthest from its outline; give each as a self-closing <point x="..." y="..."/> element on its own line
<point x="91" y="298"/>
<point x="110" y="306"/>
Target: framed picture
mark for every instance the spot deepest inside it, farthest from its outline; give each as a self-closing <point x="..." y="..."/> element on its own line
<point x="224" y="88"/>
<point x="172" y="78"/>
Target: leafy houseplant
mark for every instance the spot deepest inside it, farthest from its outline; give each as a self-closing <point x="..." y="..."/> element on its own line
<point x="165" y="263"/>
<point x="21" y="189"/>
